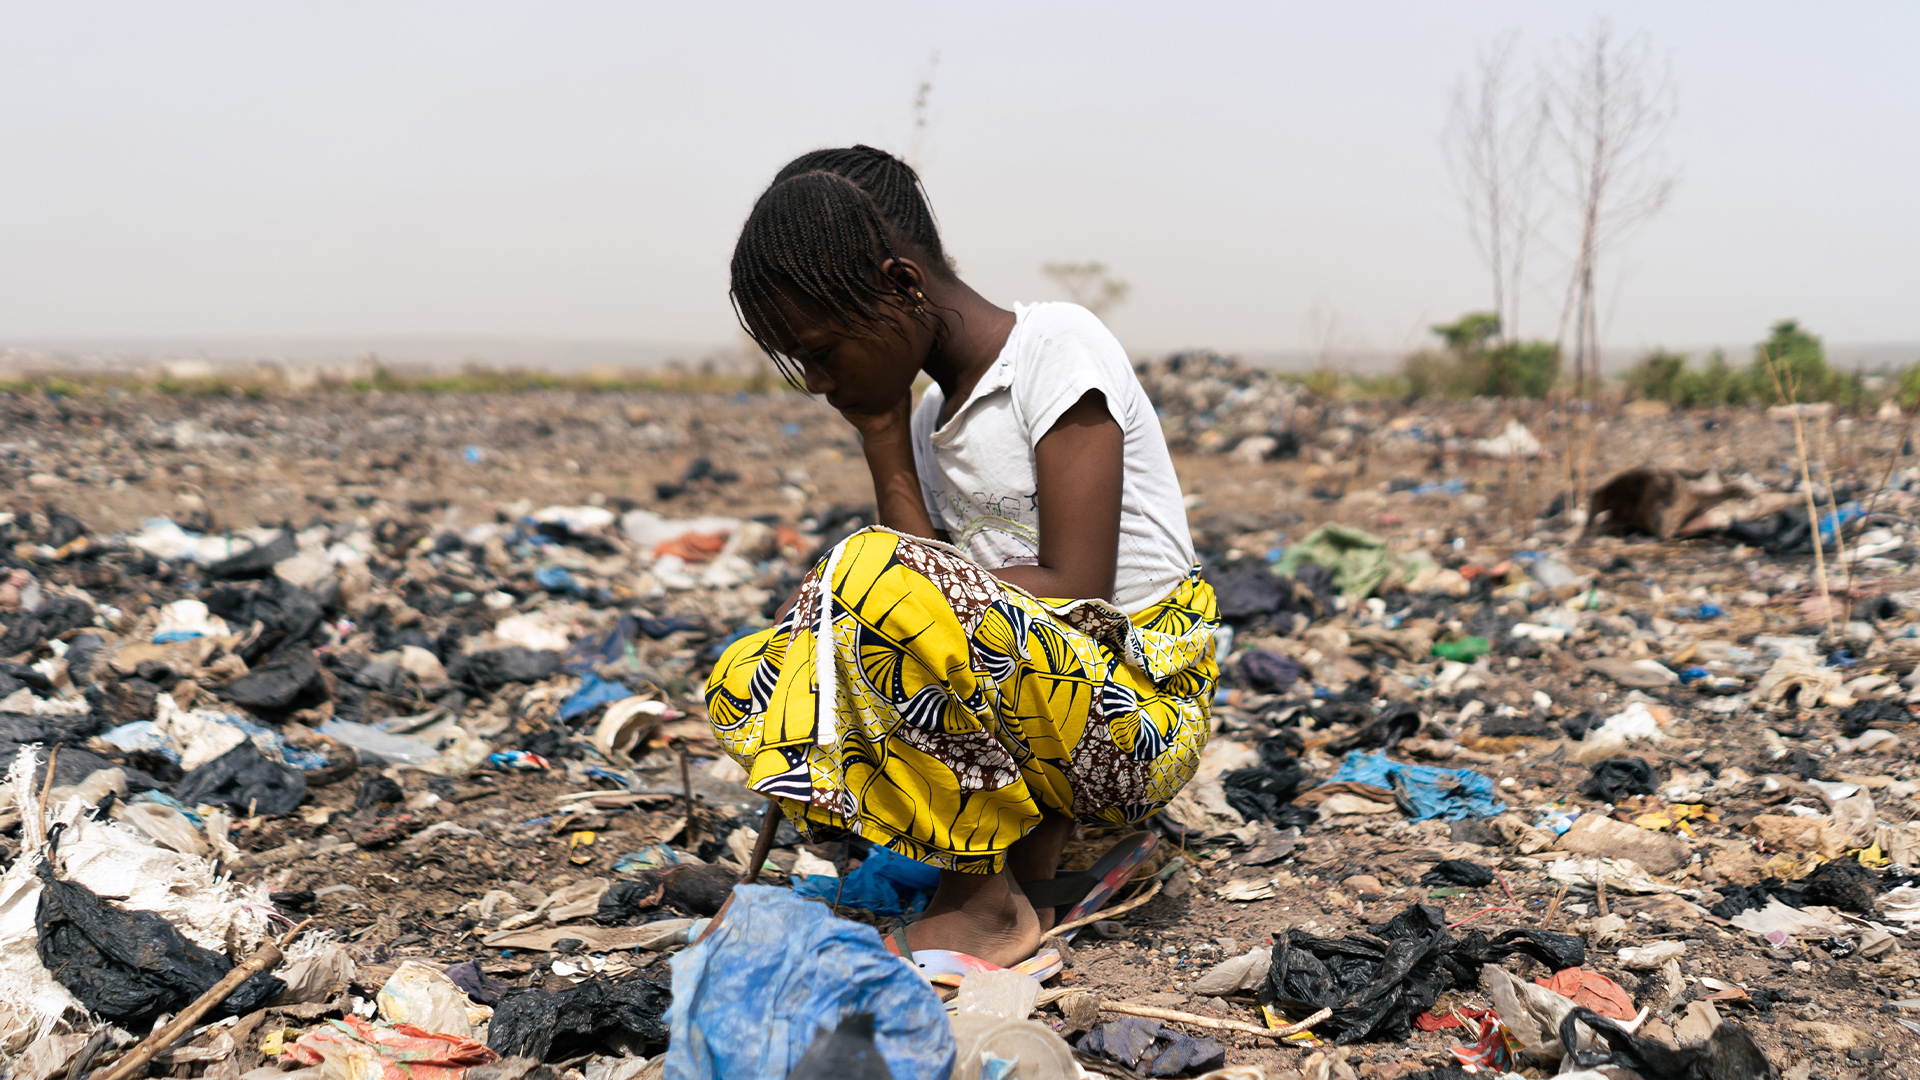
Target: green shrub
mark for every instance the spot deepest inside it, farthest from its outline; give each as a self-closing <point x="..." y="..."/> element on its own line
<point x="1477" y="364"/>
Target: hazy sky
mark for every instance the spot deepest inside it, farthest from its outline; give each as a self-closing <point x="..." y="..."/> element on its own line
<point x="1266" y="176"/>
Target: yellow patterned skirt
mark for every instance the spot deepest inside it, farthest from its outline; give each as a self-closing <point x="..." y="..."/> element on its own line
<point x="958" y="706"/>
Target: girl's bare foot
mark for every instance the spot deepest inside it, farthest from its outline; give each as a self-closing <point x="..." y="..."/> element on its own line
<point x="983" y="915"/>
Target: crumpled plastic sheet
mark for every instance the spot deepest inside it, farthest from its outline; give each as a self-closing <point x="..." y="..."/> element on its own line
<point x="1458" y="872"/>
<point x="113" y="861"/>
<point x="886" y="883"/>
<point x="1150" y="1049"/>
<point x="1730" y="1053"/>
<point x="1616" y="778"/>
<point x="1375" y="984"/>
<point x="1449" y="794"/>
<point x="246" y="780"/>
<point x="131" y="966"/>
<point x="750" y="1000"/>
<point x="353" y="1049"/>
<point x="535" y="1023"/>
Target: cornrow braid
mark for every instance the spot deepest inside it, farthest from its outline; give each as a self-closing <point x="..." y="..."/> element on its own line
<point x="896" y="191"/>
<point x="818" y="238"/>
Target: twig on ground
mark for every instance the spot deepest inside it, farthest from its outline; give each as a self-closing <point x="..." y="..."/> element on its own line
<point x="1484" y="911"/>
<point x="263" y="959"/>
<point x="1110" y="913"/>
<point x="1786" y="391"/>
<point x="1178" y="1017"/>
<point x="1553" y="909"/>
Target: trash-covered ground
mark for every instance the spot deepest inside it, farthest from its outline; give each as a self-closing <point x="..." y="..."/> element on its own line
<point x="406" y="688"/>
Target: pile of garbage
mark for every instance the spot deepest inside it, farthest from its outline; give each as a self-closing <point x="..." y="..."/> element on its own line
<point x="403" y="789"/>
<point x="1212" y="403"/>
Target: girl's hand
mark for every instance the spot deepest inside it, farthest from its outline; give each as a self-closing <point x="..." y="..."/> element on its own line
<point x="895" y="423"/>
<point x="887" y="440"/>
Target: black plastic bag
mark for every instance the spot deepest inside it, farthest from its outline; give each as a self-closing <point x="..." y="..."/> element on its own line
<point x="288" y="682"/>
<point x="243" y="778"/>
<point x="1843" y="884"/>
<point x="494" y="668"/>
<point x="1730" y="1053"/>
<point x="1374" y="985"/>
<point x="1249" y="590"/>
<point x="1616" y="778"/>
<point x="1458" y="872"/>
<point x="256" y="562"/>
<point x="131" y="966"/>
<point x="1148" y="1049"/>
<point x="287" y="613"/>
<point x="1266" y="672"/>
<point x="549" y="1026"/>
<point x="1395" y="722"/>
<point x="845" y="1053"/>
<point x="1557" y="951"/>
<point x="1262" y="792"/>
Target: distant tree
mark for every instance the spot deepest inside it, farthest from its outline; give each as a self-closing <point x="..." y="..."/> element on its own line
<point x="1658" y="375"/>
<point x="1493" y="140"/>
<point x="1801" y="361"/>
<point x="1089" y="285"/>
<point x="1477" y="364"/>
<point x="1469" y="334"/>
<point x="1609" y="112"/>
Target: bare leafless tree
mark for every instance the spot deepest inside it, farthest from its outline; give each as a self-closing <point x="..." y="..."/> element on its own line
<point x="1089" y="285"/>
<point x="922" y="101"/>
<point x="1493" y="141"/>
<point x="1610" y="105"/>
<point x="1610" y="108"/>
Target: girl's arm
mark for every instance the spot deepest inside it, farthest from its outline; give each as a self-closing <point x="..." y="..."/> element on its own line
<point x="1079" y="468"/>
<point x="887" y="440"/>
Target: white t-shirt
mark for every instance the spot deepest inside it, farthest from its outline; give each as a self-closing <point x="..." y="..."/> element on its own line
<point x="978" y="475"/>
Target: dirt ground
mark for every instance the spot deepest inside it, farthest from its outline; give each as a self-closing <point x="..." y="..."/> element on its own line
<point x="434" y="463"/>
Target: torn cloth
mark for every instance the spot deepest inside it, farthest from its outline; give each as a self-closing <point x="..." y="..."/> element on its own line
<point x="1424" y="791"/>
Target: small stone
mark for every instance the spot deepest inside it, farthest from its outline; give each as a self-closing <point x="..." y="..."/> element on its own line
<point x="1363" y="883"/>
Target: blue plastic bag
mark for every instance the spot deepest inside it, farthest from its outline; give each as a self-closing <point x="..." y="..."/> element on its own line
<point x="1470" y="795"/>
<point x="885" y="884"/>
<point x="748" y="1001"/>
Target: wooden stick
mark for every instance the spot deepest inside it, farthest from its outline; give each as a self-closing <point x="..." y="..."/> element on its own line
<point x="263" y="959"/>
<point x="770" y="820"/>
<point x="1110" y="913"/>
<point x="1241" y="1026"/>
<point x="46" y="785"/>
<point x="1553" y="909"/>
<point x="1600" y="892"/>
<point x="686" y="783"/>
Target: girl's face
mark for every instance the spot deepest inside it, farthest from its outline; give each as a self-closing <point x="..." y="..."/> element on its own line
<point x="864" y="373"/>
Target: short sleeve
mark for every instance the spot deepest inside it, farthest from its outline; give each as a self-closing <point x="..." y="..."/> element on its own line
<point x="924" y="416"/>
<point x="1073" y="354"/>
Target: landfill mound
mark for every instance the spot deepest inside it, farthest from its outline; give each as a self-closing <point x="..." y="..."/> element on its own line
<point x="369" y="727"/>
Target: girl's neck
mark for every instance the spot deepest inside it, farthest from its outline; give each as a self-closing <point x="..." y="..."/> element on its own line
<point x="975" y="330"/>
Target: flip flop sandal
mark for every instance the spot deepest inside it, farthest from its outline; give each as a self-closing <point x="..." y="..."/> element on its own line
<point x="1091" y="888"/>
<point x="948" y="967"/>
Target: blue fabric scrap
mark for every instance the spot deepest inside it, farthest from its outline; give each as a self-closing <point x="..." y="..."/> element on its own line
<point x="749" y="1000"/>
<point x="1450" y="794"/>
<point x="886" y="883"/>
<point x="594" y="692"/>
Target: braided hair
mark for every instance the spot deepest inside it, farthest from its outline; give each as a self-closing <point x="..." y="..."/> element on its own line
<point x="817" y="239"/>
